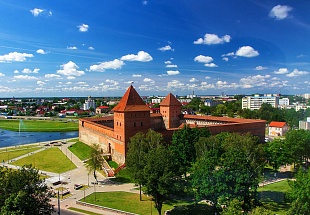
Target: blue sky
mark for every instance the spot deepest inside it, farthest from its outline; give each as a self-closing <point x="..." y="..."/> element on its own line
<point x="98" y="48"/>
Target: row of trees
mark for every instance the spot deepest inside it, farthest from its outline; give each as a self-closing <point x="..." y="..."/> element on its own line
<point x="217" y="168"/>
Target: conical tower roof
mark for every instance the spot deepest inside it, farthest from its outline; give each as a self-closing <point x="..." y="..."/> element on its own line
<point x="170" y="100"/>
<point x="131" y="101"/>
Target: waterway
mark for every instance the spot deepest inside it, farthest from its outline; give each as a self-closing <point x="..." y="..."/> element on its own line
<point x="12" y="138"/>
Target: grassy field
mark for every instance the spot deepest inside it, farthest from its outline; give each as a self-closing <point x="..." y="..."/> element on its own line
<point x="273" y="197"/>
<point x="12" y="153"/>
<point x="51" y="160"/>
<point x="83" y="211"/>
<point x="38" y="125"/>
<point x="81" y="150"/>
<point x="129" y="202"/>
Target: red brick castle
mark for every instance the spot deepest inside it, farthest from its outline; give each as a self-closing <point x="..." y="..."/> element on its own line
<point x="132" y="115"/>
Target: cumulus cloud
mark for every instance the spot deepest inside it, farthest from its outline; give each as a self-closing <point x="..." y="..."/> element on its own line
<point x="260" y="68"/>
<point x="41" y="51"/>
<point x="115" y="64"/>
<point x="113" y="82"/>
<point x="52" y="76"/>
<point x="175" y="84"/>
<point x="83" y="27"/>
<point x="16" y="71"/>
<point x="15" y="56"/>
<point x="225" y="59"/>
<point x="136" y="75"/>
<point x="211" y="39"/>
<point x="70" y="69"/>
<point x="25" y="77"/>
<point x="207" y="77"/>
<point x="193" y="80"/>
<point x="247" y="51"/>
<point x="171" y="66"/>
<point x="91" y="48"/>
<point x="142" y="56"/>
<point x="1" y="74"/>
<point x="36" y="11"/>
<point x="173" y="72"/>
<point x="211" y="65"/>
<point x="148" y="80"/>
<point x="168" y="62"/>
<point x="203" y="59"/>
<point x="253" y="81"/>
<point x="72" y="47"/>
<point x="281" y="71"/>
<point x="70" y="77"/>
<point x="296" y="72"/>
<point x="166" y="48"/>
<point x="28" y="71"/>
<point x="280" y="12"/>
<point x="40" y="83"/>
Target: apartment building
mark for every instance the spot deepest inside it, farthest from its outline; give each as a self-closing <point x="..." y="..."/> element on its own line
<point x="255" y="102"/>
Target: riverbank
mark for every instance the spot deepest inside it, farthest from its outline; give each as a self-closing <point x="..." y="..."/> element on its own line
<point x="39" y="125"/>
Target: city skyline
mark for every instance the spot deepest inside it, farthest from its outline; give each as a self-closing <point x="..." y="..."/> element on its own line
<point x="99" y="48"/>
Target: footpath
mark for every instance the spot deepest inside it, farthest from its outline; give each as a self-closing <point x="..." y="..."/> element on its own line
<point x="79" y="175"/>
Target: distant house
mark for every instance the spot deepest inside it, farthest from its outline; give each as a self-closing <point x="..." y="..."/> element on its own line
<point x="102" y="109"/>
<point x="278" y="128"/>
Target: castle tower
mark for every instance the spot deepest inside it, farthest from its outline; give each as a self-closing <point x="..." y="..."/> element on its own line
<point x="131" y="115"/>
<point x="170" y="109"/>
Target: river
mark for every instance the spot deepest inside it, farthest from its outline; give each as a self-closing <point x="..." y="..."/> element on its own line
<point x="13" y="138"/>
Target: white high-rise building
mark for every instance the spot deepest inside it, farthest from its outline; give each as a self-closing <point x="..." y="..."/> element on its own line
<point x="284" y="102"/>
<point x="89" y="103"/>
<point x="255" y="102"/>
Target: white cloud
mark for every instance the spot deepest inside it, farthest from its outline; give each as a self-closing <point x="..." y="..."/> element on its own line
<point x="83" y="27"/>
<point x="144" y="2"/>
<point x="211" y="65"/>
<point x="171" y="66"/>
<point x="72" y="47"/>
<point x="148" y="80"/>
<point x="68" y="83"/>
<point x="1" y="74"/>
<point x="211" y="39"/>
<point x="166" y="48"/>
<point x="36" y="11"/>
<point x="70" y="69"/>
<point x="207" y="77"/>
<point x="41" y="51"/>
<point x="280" y="12"/>
<point x="136" y="75"/>
<point x="91" y="48"/>
<point x="115" y="64"/>
<point x="225" y="59"/>
<point x="25" y="77"/>
<point x="193" y="80"/>
<point x="171" y="72"/>
<point x="142" y="56"/>
<point x="113" y="82"/>
<point x="168" y="62"/>
<point x="228" y="54"/>
<point x="254" y="81"/>
<point x="70" y="77"/>
<point x="281" y="71"/>
<point x="52" y="76"/>
<point x="247" y="51"/>
<point x="203" y="59"/>
<point x="16" y="71"/>
<point x="296" y="72"/>
<point x="40" y="83"/>
<point x="28" y="71"/>
<point x="175" y="84"/>
<point x="15" y="56"/>
<point x="260" y="68"/>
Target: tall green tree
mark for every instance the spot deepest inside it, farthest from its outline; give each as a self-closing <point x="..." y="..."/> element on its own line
<point x="276" y="153"/>
<point x="300" y="193"/>
<point x="138" y="147"/>
<point x="95" y="161"/>
<point x="23" y="192"/>
<point x="160" y="179"/>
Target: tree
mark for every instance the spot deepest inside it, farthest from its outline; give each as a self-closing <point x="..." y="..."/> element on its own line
<point x="276" y="153"/>
<point x="300" y="193"/>
<point x="95" y="161"/>
<point x="261" y="211"/>
<point x="183" y="145"/>
<point x="23" y="192"/>
<point x="138" y="147"/>
<point x="159" y="175"/>
<point x="234" y="207"/>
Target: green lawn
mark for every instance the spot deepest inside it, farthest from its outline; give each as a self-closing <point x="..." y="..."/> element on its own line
<point x="12" y="153"/>
<point x="81" y="150"/>
<point x="129" y="202"/>
<point x="51" y="160"/>
<point x="83" y="211"/>
<point x="38" y="125"/>
<point x="273" y="197"/>
<point x="20" y="147"/>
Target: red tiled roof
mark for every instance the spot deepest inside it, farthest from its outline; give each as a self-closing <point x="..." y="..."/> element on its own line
<point x="131" y="101"/>
<point x="103" y="107"/>
<point x="277" y="124"/>
<point x="170" y="100"/>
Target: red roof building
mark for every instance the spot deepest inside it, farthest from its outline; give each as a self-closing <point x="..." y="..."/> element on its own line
<point x="277" y="128"/>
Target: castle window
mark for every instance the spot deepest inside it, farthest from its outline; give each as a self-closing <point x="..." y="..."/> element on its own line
<point x="120" y="137"/>
<point x="134" y="124"/>
<point x="117" y="123"/>
<point x="141" y="124"/>
<point x="120" y="124"/>
<point x="83" y="124"/>
<point x="116" y="136"/>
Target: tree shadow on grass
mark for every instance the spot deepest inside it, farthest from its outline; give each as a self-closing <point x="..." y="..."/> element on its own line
<point x="274" y="196"/>
<point x="196" y="209"/>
